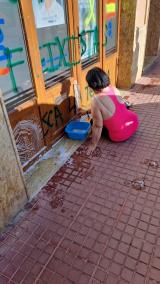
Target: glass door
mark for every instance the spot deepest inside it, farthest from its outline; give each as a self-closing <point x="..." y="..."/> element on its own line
<point x="87" y="20"/>
<point x="17" y="85"/>
<point x="53" y="22"/>
<point x="110" y="37"/>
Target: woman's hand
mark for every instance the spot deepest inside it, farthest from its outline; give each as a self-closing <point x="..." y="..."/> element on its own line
<point x="91" y="149"/>
<point x="81" y="112"/>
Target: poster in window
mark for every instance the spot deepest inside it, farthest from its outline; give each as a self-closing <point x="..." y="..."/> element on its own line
<point x="111" y="22"/>
<point x="48" y="13"/>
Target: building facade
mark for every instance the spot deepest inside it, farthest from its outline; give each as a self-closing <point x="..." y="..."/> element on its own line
<point x="46" y="49"/>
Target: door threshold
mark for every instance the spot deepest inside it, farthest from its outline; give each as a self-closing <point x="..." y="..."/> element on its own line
<point x="37" y="176"/>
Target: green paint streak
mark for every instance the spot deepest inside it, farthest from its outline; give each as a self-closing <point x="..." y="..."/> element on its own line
<point x="13" y="1"/>
<point x="69" y="40"/>
<point x="72" y="42"/>
<point x="11" y="65"/>
<point x="89" y="92"/>
<point x="106" y="39"/>
<point x="60" y="45"/>
<point x="52" y="68"/>
<point x="95" y="41"/>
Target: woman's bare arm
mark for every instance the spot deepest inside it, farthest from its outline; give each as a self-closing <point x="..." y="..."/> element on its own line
<point x="97" y="123"/>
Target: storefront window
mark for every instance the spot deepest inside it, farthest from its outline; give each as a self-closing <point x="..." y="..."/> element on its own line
<point x="15" y="79"/>
<point x="88" y="26"/>
<point x="52" y="30"/>
<point x="111" y="23"/>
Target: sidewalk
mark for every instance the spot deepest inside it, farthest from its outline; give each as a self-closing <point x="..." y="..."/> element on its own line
<point x="98" y="219"/>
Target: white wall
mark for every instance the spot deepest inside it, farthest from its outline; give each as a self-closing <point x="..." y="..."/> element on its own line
<point x="140" y="36"/>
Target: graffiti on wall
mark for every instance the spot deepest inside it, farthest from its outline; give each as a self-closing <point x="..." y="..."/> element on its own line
<point x="7" y="55"/>
<point x="54" y="118"/>
<point x="89" y="92"/>
<point x="56" y="56"/>
<point x="48" y="64"/>
<point x="3" y="57"/>
<point x="59" y="46"/>
<point x="110" y="9"/>
<point x="91" y="15"/>
<point x="109" y="29"/>
<point x="83" y="44"/>
<point x="125" y="6"/>
<point x="13" y="1"/>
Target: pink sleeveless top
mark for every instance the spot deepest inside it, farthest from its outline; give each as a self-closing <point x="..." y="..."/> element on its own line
<point x="124" y="123"/>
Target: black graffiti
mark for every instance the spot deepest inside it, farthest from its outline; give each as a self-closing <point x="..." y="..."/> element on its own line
<point x="58" y="115"/>
<point x="72" y="107"/>
<point x="54" y="117"/>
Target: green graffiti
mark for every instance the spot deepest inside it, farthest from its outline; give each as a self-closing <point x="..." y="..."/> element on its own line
<point x="60" y="45"/>
<point x="73" y="40"/>
<point x="96" y="40"/>
<point x="125" y="6"/>
<point x="48" y="63"/>
<point x="83" y="44"/>
<point x="13" y="1"/>
<point x="89" y="92"/>
<point x="91" y="16"/>
<point x="49" y="45"/>
<point x="106" y="39"/>
<point x="11" y="65"/>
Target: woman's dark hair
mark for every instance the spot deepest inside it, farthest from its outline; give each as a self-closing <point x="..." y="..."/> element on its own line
<point x="97" y="79"/>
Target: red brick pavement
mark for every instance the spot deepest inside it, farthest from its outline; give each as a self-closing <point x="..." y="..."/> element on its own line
<point x="98" y="219"/>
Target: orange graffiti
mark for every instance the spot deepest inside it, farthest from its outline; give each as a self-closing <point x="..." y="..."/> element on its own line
<point x="110" y="9"/>
<point x="4" y="71"/>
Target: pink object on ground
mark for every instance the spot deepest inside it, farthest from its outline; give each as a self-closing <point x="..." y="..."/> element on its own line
<point x="123" y="124"/>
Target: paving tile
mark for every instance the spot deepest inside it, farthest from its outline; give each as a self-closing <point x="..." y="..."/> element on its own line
<point x="127" y="274"/>
<point x="155" y="274"/>
<point x="111" y="279"/>
<point x="10" y="270"/>
<point x="47" y="276"/>
<point x="3" y="280"/>
<point x="74" y="275"/>
<point x="130" y="263"/>
<point x="29" y="278"/>
<point x="84" y="279"/>
<point x="100" y="275"/>
<point x="115" y="268"/>
<point x="19" y="276"/>
<point x="138" y="279"/>
<point x="142" y="269"/>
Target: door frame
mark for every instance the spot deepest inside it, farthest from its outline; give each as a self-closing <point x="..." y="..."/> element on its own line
<point x="110" y="60"/>
<point x="81" y="72"/>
